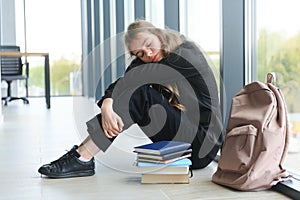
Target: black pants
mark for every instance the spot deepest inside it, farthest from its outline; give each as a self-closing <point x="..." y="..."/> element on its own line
<point x="156" y="117"/>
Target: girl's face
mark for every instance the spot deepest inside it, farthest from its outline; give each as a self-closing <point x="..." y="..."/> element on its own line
<point x="147" y="47"/>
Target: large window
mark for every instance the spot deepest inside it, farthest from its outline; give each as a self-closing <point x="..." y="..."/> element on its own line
<point x="55" y="27"/>
<point x="201" y="23"/>
<point x="278" y="50"/>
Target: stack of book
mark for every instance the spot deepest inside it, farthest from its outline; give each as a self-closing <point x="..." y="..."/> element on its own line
<point x="164" y="162"/>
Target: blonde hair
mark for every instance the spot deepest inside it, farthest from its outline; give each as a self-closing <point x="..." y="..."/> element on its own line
<point x="170" y="40"/>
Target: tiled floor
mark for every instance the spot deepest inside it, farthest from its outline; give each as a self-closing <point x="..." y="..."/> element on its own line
<point x="32" y="135"/>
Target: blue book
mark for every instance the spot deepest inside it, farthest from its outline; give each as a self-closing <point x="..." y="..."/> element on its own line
<point x="162" y="147"/>
<point x="181" y="162"/>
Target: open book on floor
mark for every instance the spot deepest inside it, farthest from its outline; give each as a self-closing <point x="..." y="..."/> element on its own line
<point x="290" y="188"/>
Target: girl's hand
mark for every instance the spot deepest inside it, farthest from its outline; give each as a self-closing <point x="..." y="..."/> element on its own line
<point x="112" y="123"/>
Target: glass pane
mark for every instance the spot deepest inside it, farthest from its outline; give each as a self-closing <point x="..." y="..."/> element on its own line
<point x="202" y="18"/>
<point x="155" y="12"/>
<point x="55" y="27"/>
<point x="278" y="49"/>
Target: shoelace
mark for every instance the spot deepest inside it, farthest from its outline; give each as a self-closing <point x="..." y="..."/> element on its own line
<point x="58" y="164"/>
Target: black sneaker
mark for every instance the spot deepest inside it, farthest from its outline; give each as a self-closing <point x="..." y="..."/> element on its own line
<point x="68" y="166"/>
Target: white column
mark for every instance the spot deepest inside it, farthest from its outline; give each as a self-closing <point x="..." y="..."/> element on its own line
<point x="7" y="30"/>
<point x="7" y="22"/>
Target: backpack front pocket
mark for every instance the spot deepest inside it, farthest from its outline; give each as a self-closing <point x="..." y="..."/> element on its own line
<point x="238" y="148"/>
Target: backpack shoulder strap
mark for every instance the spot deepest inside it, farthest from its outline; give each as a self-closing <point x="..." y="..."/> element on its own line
<point x="271" y="79"/>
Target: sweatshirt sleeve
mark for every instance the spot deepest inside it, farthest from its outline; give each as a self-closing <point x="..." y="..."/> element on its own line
<point x="109" y="91"/>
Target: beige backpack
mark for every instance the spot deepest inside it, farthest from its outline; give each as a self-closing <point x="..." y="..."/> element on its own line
<point x="256" y="139"/>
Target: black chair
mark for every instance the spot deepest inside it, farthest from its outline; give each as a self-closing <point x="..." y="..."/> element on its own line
<point x="11" y="70"/>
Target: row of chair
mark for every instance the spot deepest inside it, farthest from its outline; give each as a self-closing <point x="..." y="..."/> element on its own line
<point x="12" y="69"/>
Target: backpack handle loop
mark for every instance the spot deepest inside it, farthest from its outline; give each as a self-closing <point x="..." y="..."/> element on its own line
<point x="271" y="77"/>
